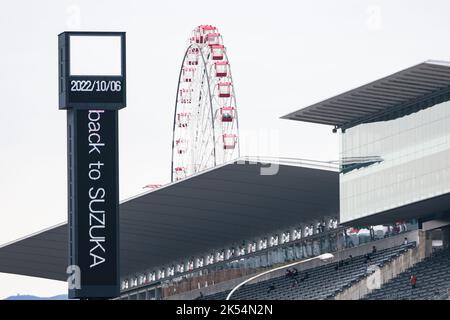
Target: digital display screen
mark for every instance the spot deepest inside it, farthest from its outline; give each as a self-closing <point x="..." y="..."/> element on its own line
<point x="95" y="56"/>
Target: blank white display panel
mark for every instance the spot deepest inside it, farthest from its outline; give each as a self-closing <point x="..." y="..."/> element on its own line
<point x="95" y="56"/>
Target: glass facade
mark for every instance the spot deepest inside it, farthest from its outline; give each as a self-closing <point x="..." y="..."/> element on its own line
<point x="388" y="164"/>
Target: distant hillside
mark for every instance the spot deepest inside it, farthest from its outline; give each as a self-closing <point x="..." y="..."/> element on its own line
<point x="30" y="297"/>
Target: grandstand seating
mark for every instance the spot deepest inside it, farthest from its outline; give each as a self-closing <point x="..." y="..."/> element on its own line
<point x="322" y="282"/>
<point x="433" y="281"/>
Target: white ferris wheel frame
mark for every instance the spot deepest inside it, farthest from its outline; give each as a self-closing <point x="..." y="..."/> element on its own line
<point x="202" y="137"/>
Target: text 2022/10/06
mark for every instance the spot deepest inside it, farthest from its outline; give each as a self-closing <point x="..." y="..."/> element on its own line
<point x="96" y="85"/>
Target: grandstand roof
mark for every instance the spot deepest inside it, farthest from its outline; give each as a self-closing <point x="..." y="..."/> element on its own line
<point x="207" y="211"/>
<point x="401" y="93"/>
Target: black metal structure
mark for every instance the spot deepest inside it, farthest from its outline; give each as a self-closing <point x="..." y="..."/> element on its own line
<point x="92" y="98"/>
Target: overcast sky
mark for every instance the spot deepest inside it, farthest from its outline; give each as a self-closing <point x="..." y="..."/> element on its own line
<point x="284" y="54"/>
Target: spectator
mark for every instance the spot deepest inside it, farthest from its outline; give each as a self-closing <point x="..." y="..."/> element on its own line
<point x="271" y="288"/>
<point x="413" y="281"/>
<point x="348" y="260"/>
<point x="367" y="258"/>
<point x="288" y="274"/>
<point x="322" y="226"/>
<point x="374" y="249"/>
<point x="372" y="233"/>
<point x="295" y="272"/>
<point x="405" y="241"/>
<point x="348" y="240"/>
<point x="294" y="281"/>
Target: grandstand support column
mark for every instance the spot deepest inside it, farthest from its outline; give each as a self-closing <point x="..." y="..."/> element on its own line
<point x="424" y="244"/>
<point x="340" y="240"/>
<point x="269" y="257"/>
<point x="315" y="226"/>
<point x="158" y="293"/>
<point x="446" y="237"/>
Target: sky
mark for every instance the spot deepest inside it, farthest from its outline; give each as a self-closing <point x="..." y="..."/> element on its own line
<point x="285" y="55"/>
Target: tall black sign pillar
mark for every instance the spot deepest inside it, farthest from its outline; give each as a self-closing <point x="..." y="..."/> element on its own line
<point x="92" y="87"/>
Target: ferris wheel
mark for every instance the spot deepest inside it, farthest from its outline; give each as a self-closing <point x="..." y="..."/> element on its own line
<point x="205" y="126"/>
